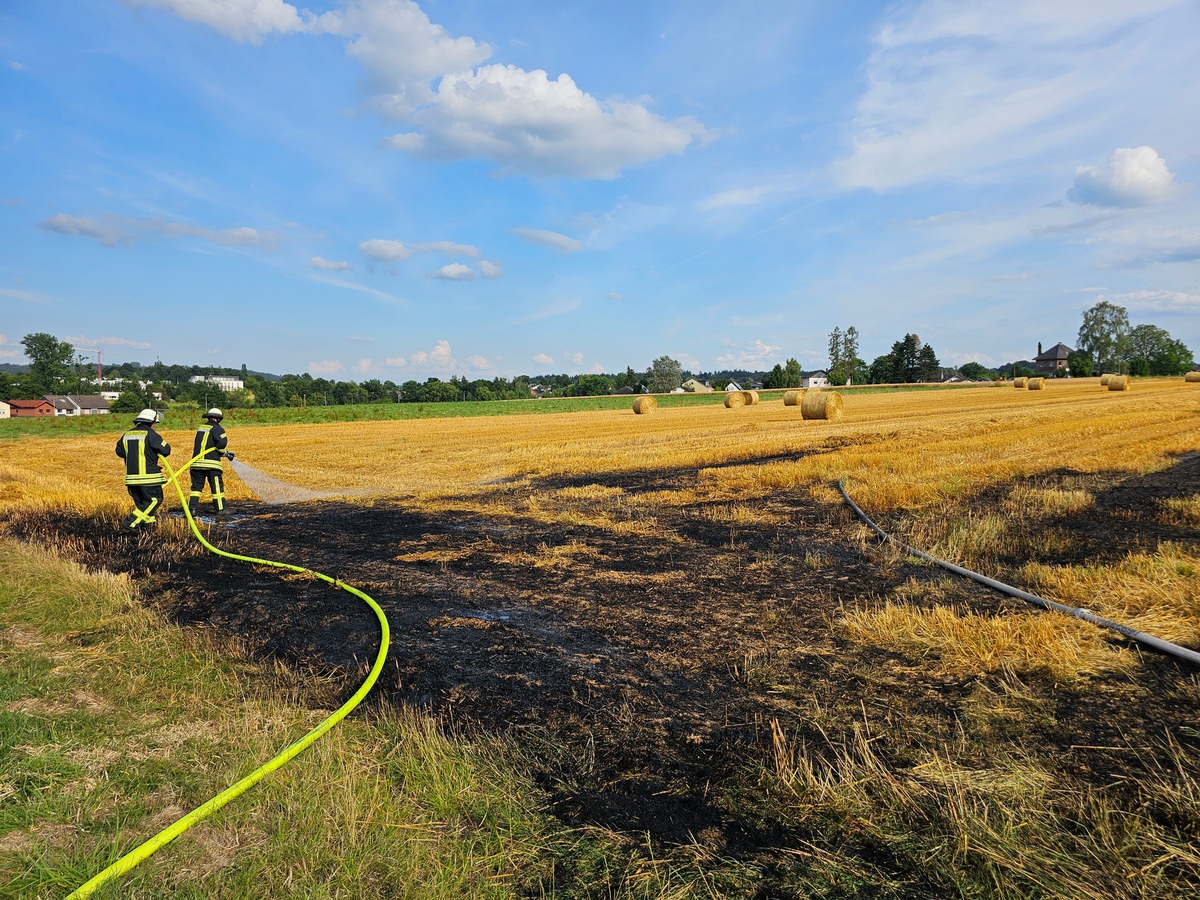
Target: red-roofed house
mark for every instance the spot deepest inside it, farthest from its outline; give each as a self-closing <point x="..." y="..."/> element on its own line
<point x="31" y="408"/>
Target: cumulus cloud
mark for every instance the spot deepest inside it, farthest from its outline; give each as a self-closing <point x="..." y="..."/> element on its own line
<point x="454" y="272"/>
<point x="379" y="250"/>
<point x="328" y="265"/>
<point x="1135" y="176"/>
<point x="116" y="230"/>
<point x="325" y="367"/>
<point x="749" y="356"/>
<point x="552" y="239"/>
<point x="440" y="357"/>
<point x="1159" y="301"/>
<point x="480" y="363"/>
<point x="241" y="20"/>
<point x="489" y="269"/>
<point x="528" y="123"/>
<point x="542" y="359"/>
<point x="416" y="71"/>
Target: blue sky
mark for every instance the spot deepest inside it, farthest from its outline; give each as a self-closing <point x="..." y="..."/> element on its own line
<point x="389" y="189"/>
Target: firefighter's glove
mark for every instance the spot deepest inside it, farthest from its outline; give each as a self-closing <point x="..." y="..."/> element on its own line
<point x="229" y="455"/>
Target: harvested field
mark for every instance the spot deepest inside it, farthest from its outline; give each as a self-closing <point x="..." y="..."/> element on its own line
<point x="676" y="632"/>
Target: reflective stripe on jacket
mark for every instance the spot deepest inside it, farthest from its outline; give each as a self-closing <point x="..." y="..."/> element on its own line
<point x="141" y="449"/>
<point x="211" y="441"/>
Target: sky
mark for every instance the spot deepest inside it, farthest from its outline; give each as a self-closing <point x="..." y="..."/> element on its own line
<point x="399" y="190"/>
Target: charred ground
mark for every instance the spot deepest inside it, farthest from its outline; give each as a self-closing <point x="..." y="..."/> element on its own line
<point x="643" y="674"/>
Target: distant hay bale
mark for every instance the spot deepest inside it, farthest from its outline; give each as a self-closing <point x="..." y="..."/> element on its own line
<point x="1192" y="376"/>
<point x="821" y="405"/>
<point x="751" y="397"/>
<point x="1118" y="382"/>
<point x="792" y="398"/>
<point x="735" y="400"/>
<point x="1020" y="382"/>
<point x="644" y="405"/>
<point x="1036" y="384"/>
<point x="1104" y="379"/>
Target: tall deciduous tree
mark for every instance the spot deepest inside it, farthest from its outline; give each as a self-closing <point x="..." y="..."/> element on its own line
<point x="843" y="355"/>
<point x="1104" y="335"/>
<point x="664" y="376"/>
<point x="49" y="363"/>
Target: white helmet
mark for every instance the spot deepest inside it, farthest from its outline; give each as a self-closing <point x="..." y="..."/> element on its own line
<point x="214" y="413"/>
<point x="149" y="416"/>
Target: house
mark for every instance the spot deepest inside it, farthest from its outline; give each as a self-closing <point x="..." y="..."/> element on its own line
<point x="733" y="386"/>
<point x="31" y="408"/>
<point x="78" y="405"/>
<point x="1053" y="360"/>
<point x="814" y="379"/>
<point x="5" y="410"/>
<point x="697" y="387"/>
<point x="628" y="389"/>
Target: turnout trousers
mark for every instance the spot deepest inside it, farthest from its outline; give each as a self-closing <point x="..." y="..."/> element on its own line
<point x="147" y="498"/>
<point x="216" y="486"/>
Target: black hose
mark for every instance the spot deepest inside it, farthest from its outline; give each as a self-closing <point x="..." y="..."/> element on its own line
<point x="1140" y="636"/>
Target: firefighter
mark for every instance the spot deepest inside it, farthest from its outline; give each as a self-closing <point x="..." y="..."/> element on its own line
<point x="141" y="447"/>
<point x="207" y="452"/>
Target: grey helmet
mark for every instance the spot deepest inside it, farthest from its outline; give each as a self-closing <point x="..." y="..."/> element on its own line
<point x="148" y="416"/>
<point x="214" y="413"/>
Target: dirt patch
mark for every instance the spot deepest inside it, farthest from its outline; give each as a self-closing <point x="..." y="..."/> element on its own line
<point x="644" y="674"/>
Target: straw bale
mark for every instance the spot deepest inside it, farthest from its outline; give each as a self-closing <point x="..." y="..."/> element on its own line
<point x="1118" y="382"/>
<point x="1020" y="382"/>
<point x="1036" y="384"/>
<point x="821" y="405"/>
<point x="644" y="405"/>
<point x="735" y="400"/>
<point x="1104" y="379"/>
<point x="1192" y="376"/>
<point x="751" y="397"/>
<point x="792" y="398"/>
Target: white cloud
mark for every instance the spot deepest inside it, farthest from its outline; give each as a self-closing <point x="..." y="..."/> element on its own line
<point x="358" y="338"/>
<point x="552" y="239"/>
<point x="395" y="362"/>
<point x="23" y="296"/>
<point x="754" y="355"/>
<point x="542" y="359"/>
<point x="379" y="250"/>
<point x="450" y="247"/>
<point x="241" y="20"/>
<point x="115" y="230"/>
<point x="955" y="89"/>
<point x="454" y="272"/>
<point x="1135" y="176"/>
<point x="80" y="340"/>
<point x="613" y="295"/>
<point x="440" y="357"/>
<point x="365" y="366"/>
<point x="328" y="265"/>
<point x="738" y="197"/>
<point x="1159" y="301"/>
<point x="528" y="123"/>
<point x="480" y="363"/>
<point x="490" y="269"/>
<point x="560" y="308"/>
<point x="325" y="367"/>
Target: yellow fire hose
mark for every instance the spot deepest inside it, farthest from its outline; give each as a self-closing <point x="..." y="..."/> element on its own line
<point x="204" y="810"/>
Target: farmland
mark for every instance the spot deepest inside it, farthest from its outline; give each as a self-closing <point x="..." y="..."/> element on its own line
<point x="704" y="656"/>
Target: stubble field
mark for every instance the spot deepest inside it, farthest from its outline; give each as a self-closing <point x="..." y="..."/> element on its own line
<point x="693" y="639"/>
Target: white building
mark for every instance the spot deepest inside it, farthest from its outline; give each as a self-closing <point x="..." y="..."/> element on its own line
<point x="817" y="379"/>
<point x="224" y="382"/>
<point x="5" y="410"/>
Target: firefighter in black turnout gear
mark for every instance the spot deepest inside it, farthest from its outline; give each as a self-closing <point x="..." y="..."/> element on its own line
<point x="141" y="447"/>
<point x="207" y="452"/>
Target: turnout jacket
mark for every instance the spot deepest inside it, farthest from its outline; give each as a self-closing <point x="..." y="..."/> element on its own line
<point x="140" y="447"/>
<point x="210" y="441"/>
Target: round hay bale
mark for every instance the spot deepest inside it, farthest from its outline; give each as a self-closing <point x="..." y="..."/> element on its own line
<point x="1036" y="384"/>
<point x="644" y="405"/>
<point x="1020" y="382"/>
<point x="821" y="405"/>
<point x="792" y="398"/>
<point x="1118" y="382"/>
<point x="1192" y="377"/>
<point x="1104" y="379"/>
<point x="735" y="400"/>
<point x="751" y="397"/>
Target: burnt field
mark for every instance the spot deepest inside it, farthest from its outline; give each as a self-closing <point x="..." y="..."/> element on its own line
<point x="657" y="681"/>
